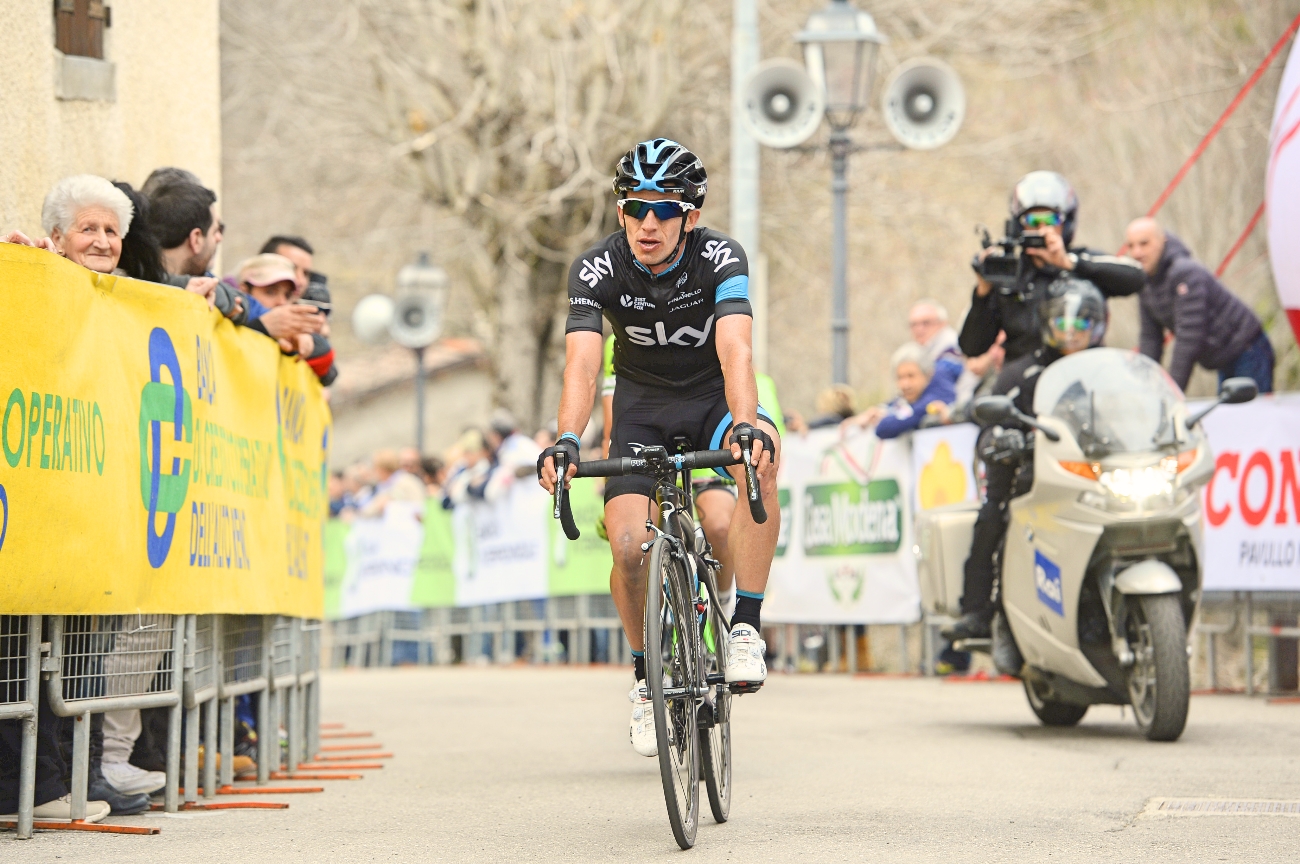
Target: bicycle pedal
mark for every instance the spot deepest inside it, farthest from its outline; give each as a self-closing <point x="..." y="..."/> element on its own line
<point x="741" y="688"/>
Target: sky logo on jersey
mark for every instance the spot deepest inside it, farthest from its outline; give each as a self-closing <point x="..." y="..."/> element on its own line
<point x="595" y="270"/>
<point x="719" y="253"/>
<point x="627" y="301"/>
<point x="1047" y="579"/>
<point x="686" y="337"/>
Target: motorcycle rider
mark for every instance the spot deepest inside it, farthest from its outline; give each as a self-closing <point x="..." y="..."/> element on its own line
<point x="1072" y="317"/>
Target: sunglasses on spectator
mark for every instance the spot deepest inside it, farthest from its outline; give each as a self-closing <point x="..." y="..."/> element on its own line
<point x="637" y="208"/>
<point x="1078" y="325"/>
<point x="1041" y="219"/>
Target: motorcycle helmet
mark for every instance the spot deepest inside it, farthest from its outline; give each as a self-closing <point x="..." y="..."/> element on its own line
<point x="1072" y="314"/>
<point x="662" y="165"/>
<point x="1046" y="189"/>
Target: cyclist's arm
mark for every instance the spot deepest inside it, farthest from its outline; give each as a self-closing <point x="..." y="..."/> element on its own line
<point x="736" y="354"/>
<point x="581" y="371"/>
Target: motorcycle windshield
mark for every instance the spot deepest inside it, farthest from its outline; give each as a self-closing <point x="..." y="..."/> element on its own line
<point x="1113" y="401"/>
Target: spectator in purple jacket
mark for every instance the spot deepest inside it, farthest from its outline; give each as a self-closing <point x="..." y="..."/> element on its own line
<point x="919" y="388"/>
<point x="1209" y="324"/>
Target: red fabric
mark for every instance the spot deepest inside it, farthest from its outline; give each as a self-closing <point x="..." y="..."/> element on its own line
<point x="321" y="365"/>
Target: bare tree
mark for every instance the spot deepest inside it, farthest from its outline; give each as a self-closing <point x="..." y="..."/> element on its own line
<point x="511" y="116"/>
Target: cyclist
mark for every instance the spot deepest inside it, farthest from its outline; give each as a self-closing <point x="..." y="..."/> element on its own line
<point x="677" y="296"/>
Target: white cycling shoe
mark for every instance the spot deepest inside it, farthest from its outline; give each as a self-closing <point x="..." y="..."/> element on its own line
<point x="745" y="650"/>
<point x="642" y="728"/>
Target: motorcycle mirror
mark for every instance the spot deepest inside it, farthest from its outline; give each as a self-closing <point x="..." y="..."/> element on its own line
<point x="989" y="410"/>
<point x="1238" y="390"/>
<point x="1233" y="392"/>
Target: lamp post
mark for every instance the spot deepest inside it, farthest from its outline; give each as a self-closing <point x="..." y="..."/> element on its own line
<point x="840" y="46"/>
<point x="417" y="321"/>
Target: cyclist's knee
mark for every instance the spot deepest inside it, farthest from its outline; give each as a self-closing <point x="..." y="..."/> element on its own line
<point x="625" y="545"/>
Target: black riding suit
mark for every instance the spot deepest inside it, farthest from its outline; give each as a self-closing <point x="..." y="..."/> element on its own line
<point x="670" y="382"/>
<point x="1016" y="309"/>
<point x="991" y="524"/>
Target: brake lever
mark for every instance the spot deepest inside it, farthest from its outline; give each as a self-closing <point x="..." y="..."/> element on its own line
<point x="752" y="490"/>
<point x="562" y="510"/>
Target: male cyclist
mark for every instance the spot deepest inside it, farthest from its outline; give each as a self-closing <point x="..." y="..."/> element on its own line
<point x="677" y="296"/>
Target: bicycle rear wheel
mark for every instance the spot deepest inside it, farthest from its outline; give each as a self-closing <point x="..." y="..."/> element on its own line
<point x="715" y="715"/>
<point x="672" y="669"/>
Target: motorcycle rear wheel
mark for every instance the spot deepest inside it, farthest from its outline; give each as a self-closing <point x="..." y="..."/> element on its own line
<point x="1051" y="712"/>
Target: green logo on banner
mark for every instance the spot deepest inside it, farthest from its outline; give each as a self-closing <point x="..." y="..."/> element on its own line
<point x="852" y="519"/>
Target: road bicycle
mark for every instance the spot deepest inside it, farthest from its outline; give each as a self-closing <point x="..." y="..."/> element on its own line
<point x="685" y="626"/>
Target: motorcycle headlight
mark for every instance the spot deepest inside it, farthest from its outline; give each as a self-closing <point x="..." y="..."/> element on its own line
<point x="1133" y="490"/>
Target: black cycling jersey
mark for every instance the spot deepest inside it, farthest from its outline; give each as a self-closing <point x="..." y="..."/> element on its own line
<point x="664" y="325"/>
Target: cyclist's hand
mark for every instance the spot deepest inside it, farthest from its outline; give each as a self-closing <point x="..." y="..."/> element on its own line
<point x="760" y="444"/>
<point x="546" y="463"/>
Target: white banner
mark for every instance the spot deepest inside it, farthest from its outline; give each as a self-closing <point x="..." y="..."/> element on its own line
<point x="501" y="547"/>
<point x="943" y="466"/>
<point x="381" y="558"/>
<point x="1252" y="506"/>
<point x="845" y="553"/>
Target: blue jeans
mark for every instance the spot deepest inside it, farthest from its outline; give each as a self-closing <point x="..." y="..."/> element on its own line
<point x="1256" y="363"/>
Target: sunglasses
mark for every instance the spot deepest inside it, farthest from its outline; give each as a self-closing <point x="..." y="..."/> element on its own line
<point x="637" y="208"/>
<point x="1078" y="325"/>
<point x="1041" y="219"/>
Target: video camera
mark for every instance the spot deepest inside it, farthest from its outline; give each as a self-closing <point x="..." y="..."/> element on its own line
<point x="1004" y="270"/>
<point x="317" y="293"/>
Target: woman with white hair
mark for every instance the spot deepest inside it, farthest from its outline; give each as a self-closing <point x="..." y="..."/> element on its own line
<point x="920" y="392"/>
<point x="86" y="218"/>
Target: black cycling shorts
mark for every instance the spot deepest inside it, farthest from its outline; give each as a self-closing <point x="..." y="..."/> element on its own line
<point x="646" y="416"/>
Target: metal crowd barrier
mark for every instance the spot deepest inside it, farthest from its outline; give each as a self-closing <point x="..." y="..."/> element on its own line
<point x="97" y="663"/>
<point x="20" y="669"/>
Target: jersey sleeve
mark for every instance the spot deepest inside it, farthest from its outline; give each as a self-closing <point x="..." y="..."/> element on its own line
<point x="585" y="308"/>
<point x="730" y="268"/>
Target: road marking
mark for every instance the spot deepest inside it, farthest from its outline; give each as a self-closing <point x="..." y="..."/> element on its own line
<point x="1157" y="807"/>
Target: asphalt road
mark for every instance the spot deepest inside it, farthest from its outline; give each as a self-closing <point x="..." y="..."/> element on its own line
<point x="533" y="765"/>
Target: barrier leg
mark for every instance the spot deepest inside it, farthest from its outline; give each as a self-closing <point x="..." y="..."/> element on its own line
<point x="171" y="792"/>
<point x="190" y="782"/>
<point x="80" y="764"/>
<point x="1211" y="667"/>
<point x="227" y="743"/>
<point x="27" y="759"/>
<point x="902" y="648"/>
<point x="834" y="634"/>
<point x="1249" y="641"/>
<point x="313" y="719"/>
<point x="210" y="748"/>
<point x="295" y="725"/>
<point x="264" y="736"/>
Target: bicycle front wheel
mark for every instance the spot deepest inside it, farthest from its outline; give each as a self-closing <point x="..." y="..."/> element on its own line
<point x="715" y="714"/>
<point x="672" y="671"/>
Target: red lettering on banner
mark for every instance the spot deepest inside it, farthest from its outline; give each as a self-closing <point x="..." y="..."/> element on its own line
<point x="1227" y="461"/>
<point x="1258" y="459"/>
<point x="1288" y="480"/>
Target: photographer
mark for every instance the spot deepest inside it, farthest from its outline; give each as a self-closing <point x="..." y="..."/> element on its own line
<point x="1044" y="208"/>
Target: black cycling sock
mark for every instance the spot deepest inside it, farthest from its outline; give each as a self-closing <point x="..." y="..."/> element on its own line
<point x="749" y="607"/>
<point x="638" y="665"/>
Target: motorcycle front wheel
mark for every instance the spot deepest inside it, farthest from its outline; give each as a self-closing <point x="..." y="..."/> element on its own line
<point x="1159" y="685"/>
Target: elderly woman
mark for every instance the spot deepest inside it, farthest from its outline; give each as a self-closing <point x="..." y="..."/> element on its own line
<point x="88" y="219"/>
<point x="920" y="392"/>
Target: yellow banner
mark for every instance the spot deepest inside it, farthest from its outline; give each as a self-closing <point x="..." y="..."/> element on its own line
<point x="156" y="458"/>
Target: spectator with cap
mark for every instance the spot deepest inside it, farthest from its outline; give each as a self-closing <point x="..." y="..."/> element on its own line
<point x="269" y="280"/>
<point x="1182" y="298"/>
<point x="297" y="250"/>
<point x="513" y="454"/>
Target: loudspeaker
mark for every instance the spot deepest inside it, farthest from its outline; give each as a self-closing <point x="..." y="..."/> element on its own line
<point x="924" y="103"/>
<point x="782" y="105"/>
<point x="371" y="317"/>
<point x="417" y="320"/>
